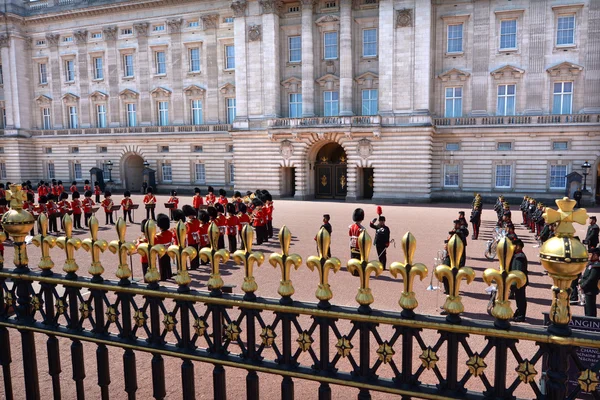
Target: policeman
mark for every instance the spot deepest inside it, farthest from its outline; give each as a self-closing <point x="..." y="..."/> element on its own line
<point x="382" y="238"/>
<point x="589" y="282"/>
<point x="591" y="238"/>
<point x="519" y="263"/>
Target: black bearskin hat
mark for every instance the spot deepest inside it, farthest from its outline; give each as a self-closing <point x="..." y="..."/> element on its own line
<point x="31" y="198"/>
<point x="162" y="221"/>
<point x="107" y="193"/>
<point x="220" y="208"/>
<point x="88" y="193"/>
<point x="178" y="215"/>
<point x="222" y="192"/>
<point x="143" y="225"/>
<point x="149" y="190"/>
<point x="257" y="202"/>
<point x="212" y="212"/>
<point x="64" y="195"/>
<point x="127" y="193"/>
<point x="173" y="192"/>
<point x="358" y="215"/>
<point x="43" y="200"/>
<point x="189" y="211"/>
<point x="197" y="190"/>
<point x="211" y="189"/>
<point x="86" y="182"/>
<point x="230" y="208"/>
<point x="242" y="208"/>
<point x="204" y="217"/>
<point x="75" y="195"/>
<point x="237" y="194"/>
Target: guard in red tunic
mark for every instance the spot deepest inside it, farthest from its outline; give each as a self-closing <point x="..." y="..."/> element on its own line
<point x="53" y="213"/>
<point x="126" y="204"/>
<point x="87" y="186"/>
<point x="243" y="218"/>
<point x="150" y="203"/>
<point x="76" y="206"/>
<point x="175" y="201"/>
<point x="192" y="227"/>
<point x="63" y="207"/>
<point x="88" y="203"/>
<point x="232" y="227"/>
<point x="197" y="200"/>
<point x="203" y="232"/>
<point x="97" y="191"/>
<point x="210" y="197"/>
<point x="165" y="237"/>
<point x="60" y="188"/>
<point x="107" y="204"/>
<point x="356" y="228"/>
<point x="73" y="187"/>
<point x="221" y="222"/>
<point x="222" y="197"/>
<point x="259" y="221"/>
<point x="269" y="213"/>
<point x="2" y="191"/>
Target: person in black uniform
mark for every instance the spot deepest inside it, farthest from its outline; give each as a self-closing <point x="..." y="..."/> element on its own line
<point x="328" y="228"/>
<point x="382" y="238"/>
<point x="462" y="219"/>
<point x="462" y="233"/>
<point x="510" y="229"/>
<point x="577" y="195"/>
<point x="476" y="220"/>
<point x="591" y="237"/>
<point x="547" y="232"/>
<point x="589" y="282"/>
<point x="519" y="263"/>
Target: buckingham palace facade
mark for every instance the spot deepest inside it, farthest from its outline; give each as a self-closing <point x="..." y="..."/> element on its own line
<point x="390" y="100"/>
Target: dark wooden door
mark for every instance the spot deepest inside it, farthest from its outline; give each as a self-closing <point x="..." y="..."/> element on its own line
<point x="325" y="185"/>
<point x="367" y="183"/>
<point x="341" y="181"/>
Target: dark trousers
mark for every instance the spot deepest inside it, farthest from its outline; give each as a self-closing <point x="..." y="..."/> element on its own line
<point x="97" y="198"/>
<point x="270" y="228"/>
<point x="521" y="300"/>
<point x="127" y="213"/>
<point x="52" y="227"/>
<point x="86" y="218"/>
<point x="232" y="243"/>
<point x="221" y="244"/>
<point x="463" y="258"/>
<point x="77" y="221"/>
<point x="195" y="263"/>
<point x="476" y="230"/>
<point x="590" y="305"/>
<point x="109" y="218"/>
<point x="382" y="254"/>
<point x="260" y="234"/>
<point x="574" y="288"/>
<point x="150" y="211"/>
<point x="524" y="217"/>
<point x="144" y="270"/>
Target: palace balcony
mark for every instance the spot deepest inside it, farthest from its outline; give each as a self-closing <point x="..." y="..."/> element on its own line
<point x="565" y="119"/>
<point x="133" y="130"/>
<point x="325" y="122"/>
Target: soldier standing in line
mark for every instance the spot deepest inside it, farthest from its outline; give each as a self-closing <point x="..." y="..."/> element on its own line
<point x="356" y="228"/>
<point x="462" y="219"/>
<point x="476" y="219"/>
<point x="519" y="263"/>
<point x="547" y="232"/>
<point x="591" y="237"/>
<point x="382" y="239"/>
<point x="462" y="233"/>
<point x="523" y="208"/>
<point x="589" y="282"/>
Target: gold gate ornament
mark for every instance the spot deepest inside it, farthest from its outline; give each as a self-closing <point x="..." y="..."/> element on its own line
<point x="285" y="261"/>
<point x="45" y="242"/>
<point x="409" y="272"/>
<point x="248" y="258"/>
<point x="181" y="255"/>
<point x="323" y="265"/>
<point x="95" y="246"/>
<point x="215" y="256"/>
<point x="123" y="249"/>
<point x="152" y="252"/>
<point x="69" y="244"/>
<point x="363" y="269"/>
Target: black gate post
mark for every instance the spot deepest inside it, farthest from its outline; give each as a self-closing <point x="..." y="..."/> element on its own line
<point x="129" y="365"/>
<point x="158" y="364"/>
<point x="5" y="361"/>
<point x="556" y="376"/>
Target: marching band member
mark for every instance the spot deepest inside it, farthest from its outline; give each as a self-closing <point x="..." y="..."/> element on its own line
<point x="210" y="196"/>
<point x="243" y="219"/>
<point x="197" y="200"/>
<point x="87" y="186"/>
<point x="173" y="200"/>
<point x="355" y="229"/>
<point x="76" y="206"/>
<point x="164" y="237"/>
<point x="232" y="226"/>
<point x="222" y="197"/>
<point x="63" y="207"/>
<point x="259" y="221"/>
<point x="107" y="204"/>
<point x="52" y="211"/>
<point x="88" y="203"/>
<point x="221" y="222"/>
<point x="73" y="187"/>
<point x="97" y="191"/>
<point x="150" y="203"/>
<point x="192" y="227"/>
<point x="126" y="204"/>
<point x="269" y="213"/>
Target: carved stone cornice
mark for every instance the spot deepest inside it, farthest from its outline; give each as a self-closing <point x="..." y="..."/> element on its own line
<point x="4" y="40"/>
<point x="254" y="33"/>
<point x="209" y="21"/>
<point x="239" y="8"/>
<point x="52" y="39"/>
<point x="308" y="4"/>
<point x="110" y="33"/>
<point x="81" y="36"/>
<point x="141" y="29"/>
<point x="175" y="25"/>
<point x="271" y="6"/>
<point x="28" y="42"/>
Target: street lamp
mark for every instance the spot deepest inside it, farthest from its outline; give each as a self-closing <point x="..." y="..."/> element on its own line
<point x="146" y="164"/>
<point x="109" y="164"/>
<point x="586" y="170"/>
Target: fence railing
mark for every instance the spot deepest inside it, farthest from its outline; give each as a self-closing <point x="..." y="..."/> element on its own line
<point x="366" y="120"/>
<point x="133" y="130"/>
<point x="519" y="120"/>
<point x="402" y="353"/>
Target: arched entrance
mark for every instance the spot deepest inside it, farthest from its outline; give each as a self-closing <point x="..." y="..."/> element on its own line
<point x="331" y="172"/>
<point x="133" y="166"/>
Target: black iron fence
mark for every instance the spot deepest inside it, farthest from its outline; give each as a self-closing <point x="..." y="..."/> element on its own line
<point x="402" y="353"/>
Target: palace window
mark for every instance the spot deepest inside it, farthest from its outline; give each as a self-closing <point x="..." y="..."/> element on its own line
<point x="200" y="173"/>
<point x="40" y="42"/>
<point x="67" y="39"/>
<point x="47" y="150"/>
<point x="163" y="113"/>
<point x="455" y="38"/>
<point x="504" y="146"/>
<point x="164" y="149"/>
<point x="96" y="35"/>
<point x="231" y="173"/>
<point x="506" y="100"/>
<point x="453" y="102"/>
<point x="195" y="59"/>
<point x="560" y="145"/>
<point x="370" y="43"/>
<point x="295" y="49"/>
<point x="452" y="146"/>
<point x="98" y="71"/>
<point x="563" y="98"/>
<point x="198" y="149"/>
<point x="131" y="114"/>
<point x="2" y="170"/>
<point x="101" y="115"/>
<point x="74" y="150"/>
<point x="46" y="121"/>
<point x="167" y="173"/>
<point x="558" y="176"/>
<point x="77" y="171"/>
<point x="43" y="73"/>
<point x="69" y="70"/>
<point x="230" y="57"/>
<point x="160" y="60"/>
<point x="102" y="149"/>
<point x="503" y="176"/>
<point x="295" y="105"/>
<point x="230" y="110"/>
<point x="50" y="170"/>
<point x="193" y="24"/>
<point x="508" y="34"/>
<point x="228" y="20"/>
<point x="158" y="28"/>
<point x="330" y="40"/>
<point x="73" y="121"/>
<point x="565" y="32"/>
<point x="451" y="175"/>
<point x="196" y="107"/>
<point x="369" y="102"/>
<point x="128" y="65"/>
<point x="126" y="31"/>
<point x="330" y="104"/>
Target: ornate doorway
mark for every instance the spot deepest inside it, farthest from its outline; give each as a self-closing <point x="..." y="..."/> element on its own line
<point x="331" y="172"/>
<point x="133" y="169"/>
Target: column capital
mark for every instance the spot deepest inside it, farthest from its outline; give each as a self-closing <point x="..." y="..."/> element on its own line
<point x="52" y="39"/>
<point x="239" y="8"/>
<point x="141" y="29"/>
<point x="209" y="21"/>
<point x="110" y="33"/>
<point x="175" y="25"/>
<point x="4" y="40"/>
<point x="81" y="36"/>
<point x="308" y="4"/>
<point x="271" y="6"/>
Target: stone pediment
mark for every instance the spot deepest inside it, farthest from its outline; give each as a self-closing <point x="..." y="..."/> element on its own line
<point x="160" y="92"/>
<point x="327" y="19"/>
<point x="454" y="74"/>
<point x="328" y="81"/>
<point x="70" y="98"/>
<point x="367" y="79"/>
<point x="128" y="94"/>
<point x="508" y="71"/>
<point x="227" y="88"/>
<point x="194" y="90"/>
<point x="42" y="99"/>
<point x="98" y="96"/>
<point x="566" y="69"/>
<point x="292" y="83"/>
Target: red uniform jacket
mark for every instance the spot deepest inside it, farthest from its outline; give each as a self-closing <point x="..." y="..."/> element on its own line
<point x="259" y="218"/>
<point x="149" y="199"/>
<point x="63" y="206"/>
<point x="40" y="209"/>
<point x="243" y="219"/>
<point x="193" y="231"/>
<point x="107" y="205"/>
<point x="210" y="199"/>
<point x="355" y="230"/>
<point x="126" y="203"/>
<point x="164" y="237"/>
<point x="221" y="223"/>
<point x="203" y="232"/>
<point x="88" y="203"/>
<point x="174" y="200"/>
<point x="76" y="206"/>
<point x="86" y="188"/>
<point x="97" y="189"/>
<point x="269" y="212"/>
<point x="223" y="200"/>
<point x="73" y="188"/>
<point x="51" y="208"/>
<point x="232" y="224"/>
<point x="197" y="201"/>
<point x="61" y="189"/>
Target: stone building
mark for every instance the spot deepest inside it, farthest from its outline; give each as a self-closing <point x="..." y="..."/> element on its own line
<point x="386" y="99"/>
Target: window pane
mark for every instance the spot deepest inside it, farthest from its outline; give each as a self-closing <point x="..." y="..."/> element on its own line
<point x="558" y="176"/>
<point x="503" y="176"/>
<point x="295" y="49"/>
<point x="451" y="175"/>
<point x="331" y="45"/>
<point x="455" y="33"/>
<point x="229" y="57"/>
<point x="369" y="42"/>
<point x="200" y="173"/>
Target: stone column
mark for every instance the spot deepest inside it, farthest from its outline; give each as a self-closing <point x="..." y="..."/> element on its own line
<point x="144" y="69"/>
<point x="109" y="34"/>
<point x="346" y="75"/>
<point x="177" y="56"/>
<point x="241" y="85"/>
<point x="272" y="76"/>
<point x="10" y="106"/>
<point x="422" y="67"/>
<point x="308" y="69"/>
<point x="85" y="120"/>
<point x="481" y="74"/>
<point x="58" y="121"/>
<point x="535" y="82"/>
<point x="386" y="56"/>
<point x="209" y="24"/>
<point x="591" y="102"/>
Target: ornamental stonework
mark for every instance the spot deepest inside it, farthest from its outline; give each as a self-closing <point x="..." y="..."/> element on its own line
<point x="404" y="18"/>
<point x="141" y="29"/>
<point x="254" y="33"/>
<point x="175" y="25"/>
<point x="239" y="8"/>
<point x="286" y="149"/>
<point x="270" y="6"/>
<point x="365" y="148"/>
<point x="110" y="33"/>
<point x="81" y="36"/>
<point x="209" y="21"/>
<point x="4" y="40"/>
<point x="52" y="39"/>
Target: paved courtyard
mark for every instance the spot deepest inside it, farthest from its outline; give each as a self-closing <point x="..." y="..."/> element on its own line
<point x="428" y="223"/>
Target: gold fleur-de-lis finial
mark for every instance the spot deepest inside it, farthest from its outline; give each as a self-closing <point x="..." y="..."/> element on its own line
<point x="69" y="244"/>
<point x="504" y="279"/>
<point x="285" y="260"/>
<point x="248" y="259"/>
<point x="363" y="269"/>
<point x="152" y="252"/>
<point x="95" y="247"/>
<point x="409" y="272"/>
<point x="215" y="256"/>
<point x="16" y="196"/>
<point x="565" y="217"/>
<point x="323" y="265"/>
<point x="45" y="242"/>
<point x="123" y="249"/>
<point x="181" y="255"/>
<point x="453" y="274"/>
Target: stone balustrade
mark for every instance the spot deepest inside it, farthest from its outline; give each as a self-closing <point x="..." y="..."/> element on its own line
<point x="366" y="120"/>
<point x="132" y="130"/>
<point x="518" y="120"/>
